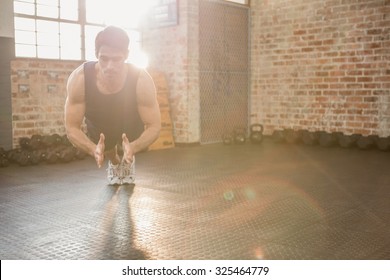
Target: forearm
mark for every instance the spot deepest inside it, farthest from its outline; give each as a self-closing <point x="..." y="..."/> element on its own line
<point x="78" y="138"/>
<point x="147" y="138"/>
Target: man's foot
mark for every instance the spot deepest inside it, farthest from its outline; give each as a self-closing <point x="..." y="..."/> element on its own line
<point x="128" y="172"/>
<point x="114" y="174"/>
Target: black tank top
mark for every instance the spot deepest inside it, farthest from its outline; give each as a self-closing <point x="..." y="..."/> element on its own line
<point x="115" y="113"/>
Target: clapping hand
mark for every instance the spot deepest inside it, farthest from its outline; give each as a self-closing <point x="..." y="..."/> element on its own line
<point x="128" y="152"/>
<point x="99" y="151"/>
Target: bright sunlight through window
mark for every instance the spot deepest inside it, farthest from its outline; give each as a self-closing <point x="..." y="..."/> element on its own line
<point x="55" y="29"/>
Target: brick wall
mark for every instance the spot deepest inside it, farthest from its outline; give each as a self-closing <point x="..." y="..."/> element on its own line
<point x="38" y="96"/>
<point x="321" y="65"/>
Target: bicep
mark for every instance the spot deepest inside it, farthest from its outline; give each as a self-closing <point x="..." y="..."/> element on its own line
<point x="75" y="103"/>
<point x="148" y="107"/>
<point x="74" y="114"/>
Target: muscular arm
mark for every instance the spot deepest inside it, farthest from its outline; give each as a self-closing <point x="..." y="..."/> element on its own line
<point x="74" y="112"/>
<point x="149" y="111"/>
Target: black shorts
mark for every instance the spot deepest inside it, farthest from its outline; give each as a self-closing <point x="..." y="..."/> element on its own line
<point x="112" y="137"/>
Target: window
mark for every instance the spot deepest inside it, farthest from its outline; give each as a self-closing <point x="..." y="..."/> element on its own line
<point x="47" y="29"/>
<point x="66" y="29"/>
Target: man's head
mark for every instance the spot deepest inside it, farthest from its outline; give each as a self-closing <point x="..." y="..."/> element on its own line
<point x="111" y="48"/>
<point x="113" y="37"/>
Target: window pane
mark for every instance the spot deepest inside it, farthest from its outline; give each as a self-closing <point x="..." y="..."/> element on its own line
<point x="48" y="39"/>
<point x="47" y="33"/>
<point x="24" y="24"/>
<point x="70" y="41"/>
<point x="25" y="37"/>
<point x="25" y="50"/>
<point x="90" y="34"/>
<point x="48" y="2"/>
<point x="70" y="33"/>
<point x="71" y="53"/>
<point x="47" y="11"/>
<point x="47" y="26"/>
<point x="95" y="11"/>
<point x="69" y="9"/>
<point x="24" y="8"/>
<point x="48" y="52"/>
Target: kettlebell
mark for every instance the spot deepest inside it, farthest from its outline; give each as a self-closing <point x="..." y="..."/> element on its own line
<point x="239" y="135"/>
<point x="256" y="135"/>
<point x="227" y="138"/>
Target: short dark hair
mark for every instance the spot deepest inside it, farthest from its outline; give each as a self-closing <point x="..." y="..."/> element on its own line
<point x="113" y="37"/>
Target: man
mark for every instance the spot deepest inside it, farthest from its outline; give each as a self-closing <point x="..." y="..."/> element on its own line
<point x="118" y="103"/>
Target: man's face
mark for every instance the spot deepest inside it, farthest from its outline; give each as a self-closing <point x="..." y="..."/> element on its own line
<point x="111" y="61"/>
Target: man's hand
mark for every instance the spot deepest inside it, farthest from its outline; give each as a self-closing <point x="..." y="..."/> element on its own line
<point x="99" y="151"/>
<point x="128" y="152"/>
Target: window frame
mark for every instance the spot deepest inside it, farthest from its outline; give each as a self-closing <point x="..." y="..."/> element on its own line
<point x="80" y="21"/>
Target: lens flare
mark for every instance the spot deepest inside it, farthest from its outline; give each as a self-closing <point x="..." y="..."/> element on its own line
<point x="228" y="195"/>
<point x="259" y="253"/>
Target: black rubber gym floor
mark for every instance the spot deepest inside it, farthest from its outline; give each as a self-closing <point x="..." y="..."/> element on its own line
<point x="273" y="201"/>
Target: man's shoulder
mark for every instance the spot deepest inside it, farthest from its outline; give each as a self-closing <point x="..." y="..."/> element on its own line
<point x="76" y="78"/>
<point x="88" y="66"/>
<point x="79" y="70"/>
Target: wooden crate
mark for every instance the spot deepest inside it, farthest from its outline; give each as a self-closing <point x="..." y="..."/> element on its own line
<point x="166" y="139"/>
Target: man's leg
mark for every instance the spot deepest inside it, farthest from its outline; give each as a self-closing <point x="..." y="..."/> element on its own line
<point x="112" y="155"/>
<point x="128" y="162"/>
<point x="114" y="170"/>
<point x="114" y="176"/>
<point x="128" y="171"/>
